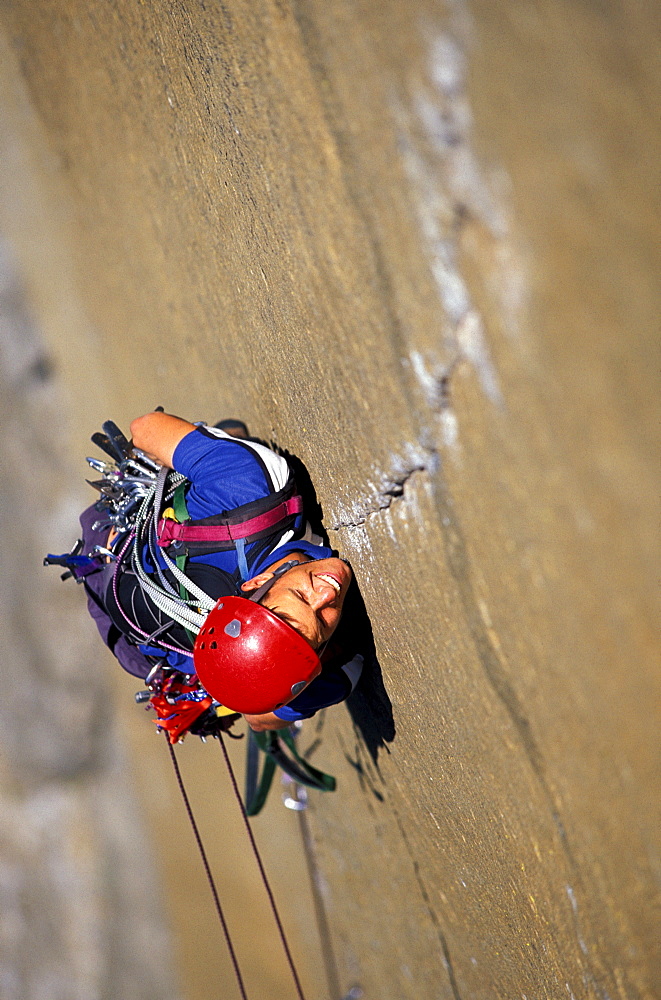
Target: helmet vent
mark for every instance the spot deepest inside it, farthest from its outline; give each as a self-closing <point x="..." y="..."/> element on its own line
<point x="212" y="630"/>
<point x="213" y="645"/>
<point x="233" y="628"/>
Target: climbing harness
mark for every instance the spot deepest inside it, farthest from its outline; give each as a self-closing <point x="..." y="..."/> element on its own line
<point x="223" y="531"/>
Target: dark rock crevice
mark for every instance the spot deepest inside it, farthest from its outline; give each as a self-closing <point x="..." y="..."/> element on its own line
<point x="390" y="491"/>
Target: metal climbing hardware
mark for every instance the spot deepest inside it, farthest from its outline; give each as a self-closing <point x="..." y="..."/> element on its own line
<point x="76" y="565"/>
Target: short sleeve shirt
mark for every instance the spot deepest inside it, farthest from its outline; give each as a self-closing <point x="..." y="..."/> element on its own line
<point x="227" y="472"/>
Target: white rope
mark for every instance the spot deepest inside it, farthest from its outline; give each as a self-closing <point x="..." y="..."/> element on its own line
<point x="174" y="606"/>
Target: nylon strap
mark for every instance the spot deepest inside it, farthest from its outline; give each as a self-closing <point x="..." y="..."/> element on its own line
<point x="179" y="503"/>
<point x="298" y="769"/>
<point x="257" y="788"/>
<point x="318" y="779"/>
<point x="181" y="514"/>
<point x="240" y="546"/>
<point x="169" y="531"/>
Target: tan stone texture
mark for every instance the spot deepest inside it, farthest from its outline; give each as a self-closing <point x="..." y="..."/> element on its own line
<point x="417" y="246"/>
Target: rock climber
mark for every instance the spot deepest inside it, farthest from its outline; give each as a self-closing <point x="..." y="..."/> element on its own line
<point x="215" y="589"/>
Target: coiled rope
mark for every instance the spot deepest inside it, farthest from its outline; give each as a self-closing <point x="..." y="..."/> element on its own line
<point x="181" y="610"/>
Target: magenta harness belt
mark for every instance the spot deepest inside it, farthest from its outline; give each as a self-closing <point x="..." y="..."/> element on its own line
<point x="171" y="531"/>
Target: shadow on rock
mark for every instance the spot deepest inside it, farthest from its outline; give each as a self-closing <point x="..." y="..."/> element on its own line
<point x="369" y="705"/>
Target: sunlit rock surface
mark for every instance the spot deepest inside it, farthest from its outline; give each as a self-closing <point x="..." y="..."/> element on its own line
<point x="416" y="246"/>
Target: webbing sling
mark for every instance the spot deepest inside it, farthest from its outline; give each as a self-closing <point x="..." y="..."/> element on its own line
<point x="257" y="788"/>
<point x="181" y="514"/>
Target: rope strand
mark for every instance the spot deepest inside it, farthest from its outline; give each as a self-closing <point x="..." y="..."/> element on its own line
<point x="262" y="871"/>
<point x="207" y="869"/>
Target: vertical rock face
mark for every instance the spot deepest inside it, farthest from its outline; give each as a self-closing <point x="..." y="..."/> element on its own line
<point x="416" y="248"/>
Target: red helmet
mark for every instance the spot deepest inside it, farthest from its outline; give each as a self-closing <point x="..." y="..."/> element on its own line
<point x="249" y="660"/>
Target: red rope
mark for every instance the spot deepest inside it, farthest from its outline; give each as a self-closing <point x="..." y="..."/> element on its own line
<point x="207" y="869"/>
<point x="262" y="871"/>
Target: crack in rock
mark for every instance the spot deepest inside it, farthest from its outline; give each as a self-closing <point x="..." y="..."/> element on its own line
<point x="390" y="490"/>
<point x="453" y="195"/>
<point x="435" y="377"/>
